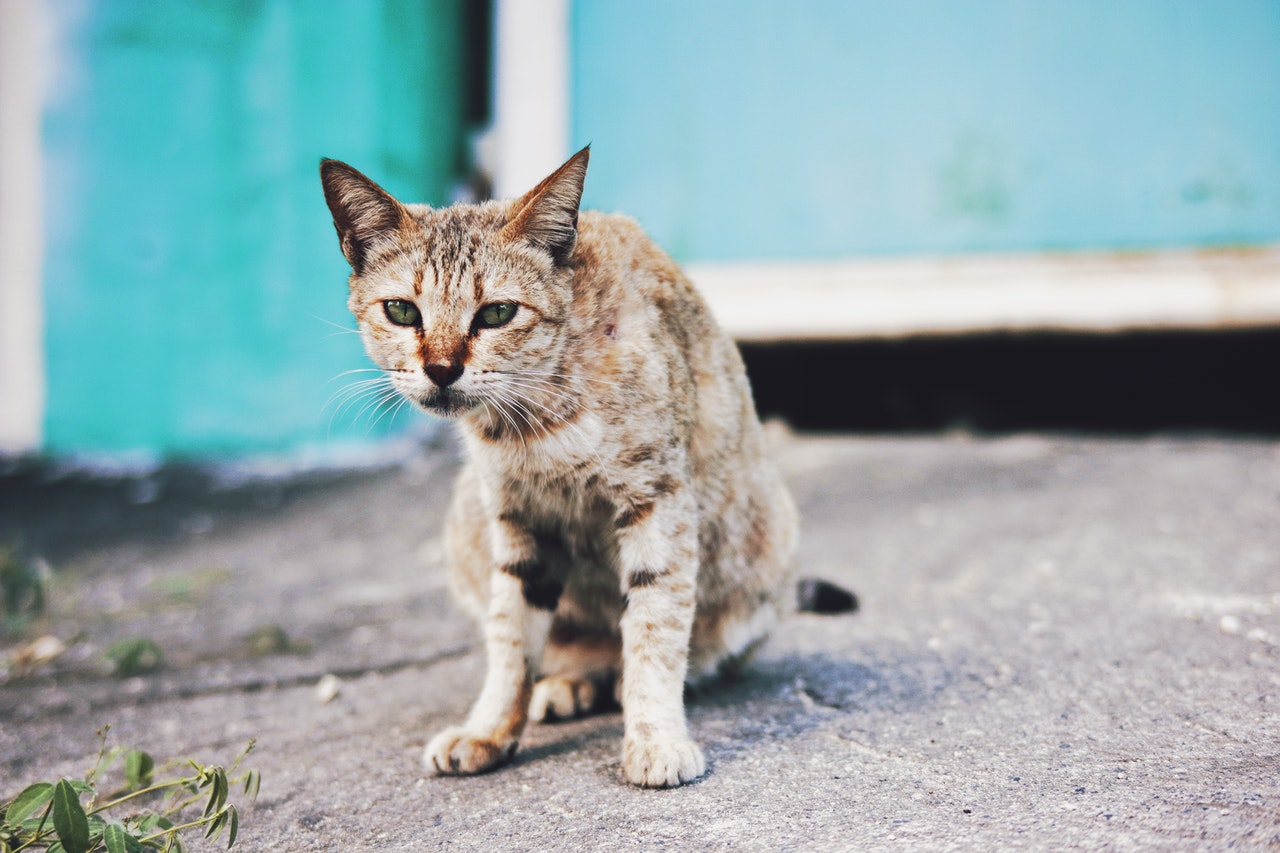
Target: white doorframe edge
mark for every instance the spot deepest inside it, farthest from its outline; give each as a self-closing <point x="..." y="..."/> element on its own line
<point x="530" y="136"/>
<point x="23" y="30"/>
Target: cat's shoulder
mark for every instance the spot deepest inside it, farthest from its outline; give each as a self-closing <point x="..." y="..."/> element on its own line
<point x="616" y="245"/>
<point x="612" y="231"/>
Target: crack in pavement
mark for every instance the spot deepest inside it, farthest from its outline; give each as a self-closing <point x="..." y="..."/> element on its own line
<point x="156" y="691"/>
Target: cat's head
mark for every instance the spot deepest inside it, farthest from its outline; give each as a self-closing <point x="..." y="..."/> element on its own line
<point x="463" y="307"/>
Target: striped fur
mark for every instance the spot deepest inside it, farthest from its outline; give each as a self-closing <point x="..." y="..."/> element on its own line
<point x="617" y="518"/>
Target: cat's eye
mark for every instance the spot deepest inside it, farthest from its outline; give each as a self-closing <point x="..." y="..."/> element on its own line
<point x="495" y="314"/>
<point x="401" y="312"/>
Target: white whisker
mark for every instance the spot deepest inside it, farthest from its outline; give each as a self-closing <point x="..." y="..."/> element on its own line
<point x="341" y="328"/>
<point x="515" y="393"/>
<point x="512" y="399"/>
<point x="389" y="411"/>
<point x="541" y="386"/>
<point x="499" y="405"/>
<point x="351" y="393"/>
<point x="356" y="370"/>
<point x="377" y="401"/>
<point x="551" y="374"/>
<point x="584" y="441"/>
<point x="345" y="395"/>
<point x="372" y="395"/>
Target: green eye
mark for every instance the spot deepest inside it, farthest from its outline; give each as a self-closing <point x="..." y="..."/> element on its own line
<point x="496" y="314"/>
<point x="401" y="312"/>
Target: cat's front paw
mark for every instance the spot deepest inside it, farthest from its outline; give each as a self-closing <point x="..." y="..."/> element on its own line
<point x="560" y="698"/>
<point x="459" y="752"/>
<point x="662" y="764"/>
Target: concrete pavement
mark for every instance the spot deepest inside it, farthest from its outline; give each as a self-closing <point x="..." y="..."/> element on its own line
<point x="1063" y="643"/>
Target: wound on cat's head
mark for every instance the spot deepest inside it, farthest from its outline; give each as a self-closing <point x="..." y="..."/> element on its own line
<point x="458" y="305"/>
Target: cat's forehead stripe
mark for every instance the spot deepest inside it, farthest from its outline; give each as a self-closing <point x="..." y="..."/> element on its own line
<point x="451" y="250"/>
<point x="443" y="259"/>
<point x="465" y="263"/>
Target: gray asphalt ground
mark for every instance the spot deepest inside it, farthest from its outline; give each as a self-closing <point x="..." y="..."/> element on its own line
<point x="1063" y="644"/>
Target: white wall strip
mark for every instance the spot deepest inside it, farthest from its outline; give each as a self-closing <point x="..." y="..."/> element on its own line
<point x="1085" y="292"/>
<point x="22" y="37"/>
<point x="531" y="93"/>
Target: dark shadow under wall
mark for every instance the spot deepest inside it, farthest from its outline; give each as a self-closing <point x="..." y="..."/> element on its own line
<point x="1134" y="383"/>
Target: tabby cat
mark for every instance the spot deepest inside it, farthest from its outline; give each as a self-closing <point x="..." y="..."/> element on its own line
<point x="617" y="524"/>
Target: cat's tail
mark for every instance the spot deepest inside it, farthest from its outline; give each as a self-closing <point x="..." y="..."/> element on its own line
<point x="819" y="596"/>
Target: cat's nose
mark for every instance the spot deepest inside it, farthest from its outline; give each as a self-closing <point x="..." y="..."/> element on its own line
<point x="444" y="374"/>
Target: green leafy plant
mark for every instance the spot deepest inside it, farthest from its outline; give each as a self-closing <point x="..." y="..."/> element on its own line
<point x="70" y="816"/>
<point x="134" y="656"/>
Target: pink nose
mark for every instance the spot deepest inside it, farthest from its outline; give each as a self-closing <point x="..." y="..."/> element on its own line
<point x="444" y="374"/>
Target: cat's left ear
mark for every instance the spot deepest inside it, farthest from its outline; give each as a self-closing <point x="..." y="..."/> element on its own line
<point x="546" y="217"/>
<point x="363" y="212"/>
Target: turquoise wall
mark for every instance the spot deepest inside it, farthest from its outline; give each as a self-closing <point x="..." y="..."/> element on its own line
<point x="191" y="262"/>
<point x="738" y="129"/>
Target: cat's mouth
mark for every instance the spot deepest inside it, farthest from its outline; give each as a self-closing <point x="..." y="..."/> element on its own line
<point x="446" y="403"/>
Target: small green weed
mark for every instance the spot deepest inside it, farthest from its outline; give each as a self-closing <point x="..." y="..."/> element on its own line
<point x="134" y="656"/>
<point x="56" y="817"/>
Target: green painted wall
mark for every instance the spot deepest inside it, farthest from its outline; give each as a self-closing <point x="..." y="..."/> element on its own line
<point x="192" y="268"/>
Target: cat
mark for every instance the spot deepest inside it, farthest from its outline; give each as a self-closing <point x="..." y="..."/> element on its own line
<point x="617" y="520"/>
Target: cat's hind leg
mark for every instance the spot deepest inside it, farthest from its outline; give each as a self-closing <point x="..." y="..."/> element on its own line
<point x="558" y="697"/>
<point x="579" y="668"/>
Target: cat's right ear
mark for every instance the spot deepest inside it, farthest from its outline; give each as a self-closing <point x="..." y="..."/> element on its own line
<point x="363" y="212"/>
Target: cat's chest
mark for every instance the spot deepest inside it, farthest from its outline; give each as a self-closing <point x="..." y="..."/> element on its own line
<point x="566" y="474"/>
<point x="576" y="448"/>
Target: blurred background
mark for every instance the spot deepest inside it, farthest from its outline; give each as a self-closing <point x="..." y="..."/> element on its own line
<point x="998" y="214"/>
